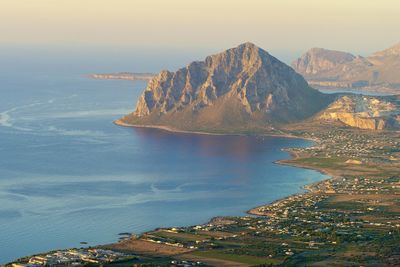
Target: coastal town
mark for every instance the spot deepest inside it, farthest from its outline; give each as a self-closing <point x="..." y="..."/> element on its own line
<point x="356" y="145"/>
<point x="73" y="257"/>
<point x="92" y="257"/>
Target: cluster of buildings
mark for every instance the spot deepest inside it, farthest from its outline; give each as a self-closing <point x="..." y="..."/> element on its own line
<point x="309" y="211"/>
<point x="360" y="185"/>
<point x="178" y="263"/>
<point x="74" y="257"/>
<point x="355" y="145"/>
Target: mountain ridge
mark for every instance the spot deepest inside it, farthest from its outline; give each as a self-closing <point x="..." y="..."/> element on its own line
<point x="380" y="69"/>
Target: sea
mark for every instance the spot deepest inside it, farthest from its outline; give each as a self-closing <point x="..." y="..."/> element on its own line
<point x="69" y="175"/>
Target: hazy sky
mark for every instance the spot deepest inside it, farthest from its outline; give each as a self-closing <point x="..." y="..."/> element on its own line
<point x="357" y="26"/>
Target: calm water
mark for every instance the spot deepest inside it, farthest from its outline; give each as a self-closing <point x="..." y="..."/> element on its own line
<point x="67" y="174"/>
<point x="325" y="91"/>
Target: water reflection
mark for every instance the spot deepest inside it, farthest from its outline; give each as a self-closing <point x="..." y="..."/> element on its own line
<point x="239" y="148"/>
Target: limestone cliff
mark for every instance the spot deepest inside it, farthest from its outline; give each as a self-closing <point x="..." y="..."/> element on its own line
<point x="242" y="87"/>
<point x="365" y="112"/>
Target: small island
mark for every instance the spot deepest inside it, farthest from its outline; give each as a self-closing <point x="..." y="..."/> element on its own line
<point x="131" y="76"/>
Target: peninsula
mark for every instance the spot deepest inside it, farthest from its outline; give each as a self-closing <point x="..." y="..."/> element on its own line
<point x="351" y="219"/>
<point x="131" y="76"/>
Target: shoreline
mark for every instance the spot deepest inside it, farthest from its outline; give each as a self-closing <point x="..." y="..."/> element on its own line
<point x="118" y="122"/>
<point x="307" y="187"/>
<point x="291" y="155"/>
<point x="252" y="211"/>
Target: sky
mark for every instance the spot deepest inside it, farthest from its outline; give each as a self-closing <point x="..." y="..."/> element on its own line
<point x="282" y="26"/>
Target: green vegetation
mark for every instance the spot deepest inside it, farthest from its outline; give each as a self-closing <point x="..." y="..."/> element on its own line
<point x="222" y="255"/>
<point x="321" y="162"/>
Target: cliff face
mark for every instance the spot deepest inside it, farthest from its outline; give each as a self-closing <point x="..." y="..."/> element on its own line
<point x="364" y="112"/>
<point x="241" y="87"/>
<point x="328" y="68"/>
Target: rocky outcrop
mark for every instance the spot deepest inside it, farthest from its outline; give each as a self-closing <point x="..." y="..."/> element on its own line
<point x="319" y="60"/>
<point x="332" y="69"/>
<point x="242" y="87"/>
<point x="364" y="112"/>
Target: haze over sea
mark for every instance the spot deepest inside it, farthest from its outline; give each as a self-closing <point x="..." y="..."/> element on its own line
<point x="67" y="174"/>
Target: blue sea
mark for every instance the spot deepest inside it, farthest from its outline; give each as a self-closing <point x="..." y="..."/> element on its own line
<point x="69" y="175"/>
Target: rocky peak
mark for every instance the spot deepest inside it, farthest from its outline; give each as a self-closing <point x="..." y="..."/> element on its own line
<point x="245" y="80"/>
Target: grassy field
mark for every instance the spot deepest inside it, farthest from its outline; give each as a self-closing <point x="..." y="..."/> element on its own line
<point x="321" y="162"/>
<point x="181" y="236"/>
<point x="250" y="260"/>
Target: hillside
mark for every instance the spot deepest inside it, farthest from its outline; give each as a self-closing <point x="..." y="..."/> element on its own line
<point x="364" y="112"/>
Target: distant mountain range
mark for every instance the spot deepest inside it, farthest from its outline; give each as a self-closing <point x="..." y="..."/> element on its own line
<point x="335" y="69"/>
<point x="245" y="88"/>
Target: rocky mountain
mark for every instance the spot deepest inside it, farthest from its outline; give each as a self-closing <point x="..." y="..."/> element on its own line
<point x="327" y="68"/>
<point x="240" y="88"/>
<point x="365" y="112"/>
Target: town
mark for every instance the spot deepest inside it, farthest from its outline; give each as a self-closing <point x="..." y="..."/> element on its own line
<point x="94" y="257"/>
<point x="74" y="257"/>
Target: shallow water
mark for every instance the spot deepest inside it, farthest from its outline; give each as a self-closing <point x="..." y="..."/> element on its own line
<point x="67" y="174"/>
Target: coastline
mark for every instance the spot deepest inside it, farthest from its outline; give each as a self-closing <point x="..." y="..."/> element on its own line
<point x="292" y="155"/>
<point x="144" y="247"/>
<point x="252" y="211"/>
<point x="118" y="122"/>
<point x="165" y="128"/>
<point x="309" y="188"/>
<point x="347" y="206"/>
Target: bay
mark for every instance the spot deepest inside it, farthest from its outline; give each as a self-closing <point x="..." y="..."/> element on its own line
<point x="68" y="174"/>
